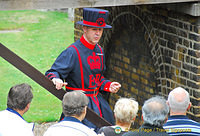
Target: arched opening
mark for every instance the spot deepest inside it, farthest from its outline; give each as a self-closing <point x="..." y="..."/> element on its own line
<point x="129" y="60"/>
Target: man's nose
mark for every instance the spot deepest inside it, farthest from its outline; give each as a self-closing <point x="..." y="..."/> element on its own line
<point x="97" y="32"/>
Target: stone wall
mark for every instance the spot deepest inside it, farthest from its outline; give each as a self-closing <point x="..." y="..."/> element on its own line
<point x="151" y="50"/>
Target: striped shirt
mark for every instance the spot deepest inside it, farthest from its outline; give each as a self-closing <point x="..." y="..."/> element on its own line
<point x="180" y="125"/>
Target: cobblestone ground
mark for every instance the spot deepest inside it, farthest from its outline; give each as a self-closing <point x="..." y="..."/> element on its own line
<point x="39" y="129"/>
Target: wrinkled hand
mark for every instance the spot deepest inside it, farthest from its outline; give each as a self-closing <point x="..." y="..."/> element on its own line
<point x="114" y="87"/>
<point x="59" y="83"/>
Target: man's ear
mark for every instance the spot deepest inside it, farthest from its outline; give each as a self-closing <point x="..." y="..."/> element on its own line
<point x="114" y="116"/>
<point x="85" y="109"/>
<point x="190" y="104"/>
<point x="27" y="107"/>
<point x="84" y="28"/>
<point x="167" y="102"/>
<point x="166" y="118"/>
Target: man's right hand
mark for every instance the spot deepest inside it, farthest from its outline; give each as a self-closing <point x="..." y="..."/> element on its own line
<point x="59" y="83"/>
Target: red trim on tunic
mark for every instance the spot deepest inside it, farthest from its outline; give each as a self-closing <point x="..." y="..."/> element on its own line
<point x="107" y="86"/>
<point x="101" y="55"/>
<point x="97" y="104"/>
<point x="86" y="43"/>
<point x="81" y="66"/>
<point x="95" y="91"/>
<point x="52" y="75"/>
<point x="82" y="81"/>
<point x="49" y="74"/>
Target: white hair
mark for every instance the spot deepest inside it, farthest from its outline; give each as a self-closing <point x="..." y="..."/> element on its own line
<point x="179" y="100"/>
<point x="155" y="111"/>
<point x="125" y="110"/>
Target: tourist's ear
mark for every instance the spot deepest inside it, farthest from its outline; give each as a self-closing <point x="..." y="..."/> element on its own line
<point x="134" y="118"/>
<point x="190" y="104"/>
<point x="167" y="102"/>
<point x="166" y="118"/>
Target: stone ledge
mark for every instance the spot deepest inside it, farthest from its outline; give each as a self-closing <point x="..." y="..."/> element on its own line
<point x="188" y="8"/>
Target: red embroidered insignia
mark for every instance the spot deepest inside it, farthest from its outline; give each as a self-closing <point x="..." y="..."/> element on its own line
<point x="94" y="81"/>
<point x="94" y="61"/>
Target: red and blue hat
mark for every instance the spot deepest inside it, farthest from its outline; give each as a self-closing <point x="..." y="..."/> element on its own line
<point x="94" y="18"/>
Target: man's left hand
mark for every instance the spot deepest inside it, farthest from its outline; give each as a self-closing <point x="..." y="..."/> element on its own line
<point x="114" y="87"/>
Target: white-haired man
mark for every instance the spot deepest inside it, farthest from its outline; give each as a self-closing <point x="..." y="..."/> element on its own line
<point x="154" y="114"/>
<point x="178" y="123"/>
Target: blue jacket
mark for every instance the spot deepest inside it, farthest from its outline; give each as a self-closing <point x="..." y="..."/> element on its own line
<point x="82" y="66"/>
<point x="87" y="74"/>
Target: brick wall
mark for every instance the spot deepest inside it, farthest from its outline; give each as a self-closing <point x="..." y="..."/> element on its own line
<point x="129" y="60"/>
<point x="179" y="37"/>
<point x="151" y="50"/>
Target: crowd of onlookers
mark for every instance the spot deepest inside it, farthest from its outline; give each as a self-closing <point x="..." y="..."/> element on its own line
<point x="160" y="117"/>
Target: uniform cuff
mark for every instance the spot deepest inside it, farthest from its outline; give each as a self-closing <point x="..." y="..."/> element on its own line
<point x="107" y="86"/>
<point x="51" y="76"/>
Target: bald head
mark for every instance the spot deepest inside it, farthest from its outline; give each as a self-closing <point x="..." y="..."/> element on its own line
<point x="179" y="100"/>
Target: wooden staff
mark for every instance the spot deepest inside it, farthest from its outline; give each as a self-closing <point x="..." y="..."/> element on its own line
<point x="46" y="83"/>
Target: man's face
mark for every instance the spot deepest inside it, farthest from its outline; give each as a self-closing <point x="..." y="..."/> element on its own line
<point x="92" y="34"/>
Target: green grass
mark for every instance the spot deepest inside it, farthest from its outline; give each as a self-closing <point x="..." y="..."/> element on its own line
<point x="43" y="36"/>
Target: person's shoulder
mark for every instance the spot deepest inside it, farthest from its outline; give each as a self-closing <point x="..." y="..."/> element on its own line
<point x="15" y="128"/>
<point x="105" y="129"/>
<point x="129" y="133"/>
<point x="69" y="51"/>
<point x="3" y="112"/>
<point x="9" y="116"/>
<point x="84" y="129"/>
<point x="162" y="134"/>
<point x="87" y="130"/>
<point x="111" y="131"/>
<point x="180" y="120"/>
<point x="194" y="122"/>
<point x="71" y="48"/>
<point x="75" y="126"/>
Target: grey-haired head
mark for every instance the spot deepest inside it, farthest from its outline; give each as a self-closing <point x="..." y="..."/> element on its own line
<point x="155" y="111"/>
<point x="19" y="96"/>
<point x="74" y="103"/>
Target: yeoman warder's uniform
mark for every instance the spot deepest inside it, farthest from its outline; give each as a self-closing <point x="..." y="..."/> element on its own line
<point x="82" y="65"/>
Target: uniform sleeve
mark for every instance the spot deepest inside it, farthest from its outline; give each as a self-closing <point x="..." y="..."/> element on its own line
<point x="63" y="65"/>
<point x="105" y="82"/>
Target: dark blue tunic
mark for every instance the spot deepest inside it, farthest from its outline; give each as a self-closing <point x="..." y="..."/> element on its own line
<point x="82" y="65"/>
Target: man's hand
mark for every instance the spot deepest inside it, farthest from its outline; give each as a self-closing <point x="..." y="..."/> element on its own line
<point x="114" y="87"/>
<point x="59" y="83"/>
